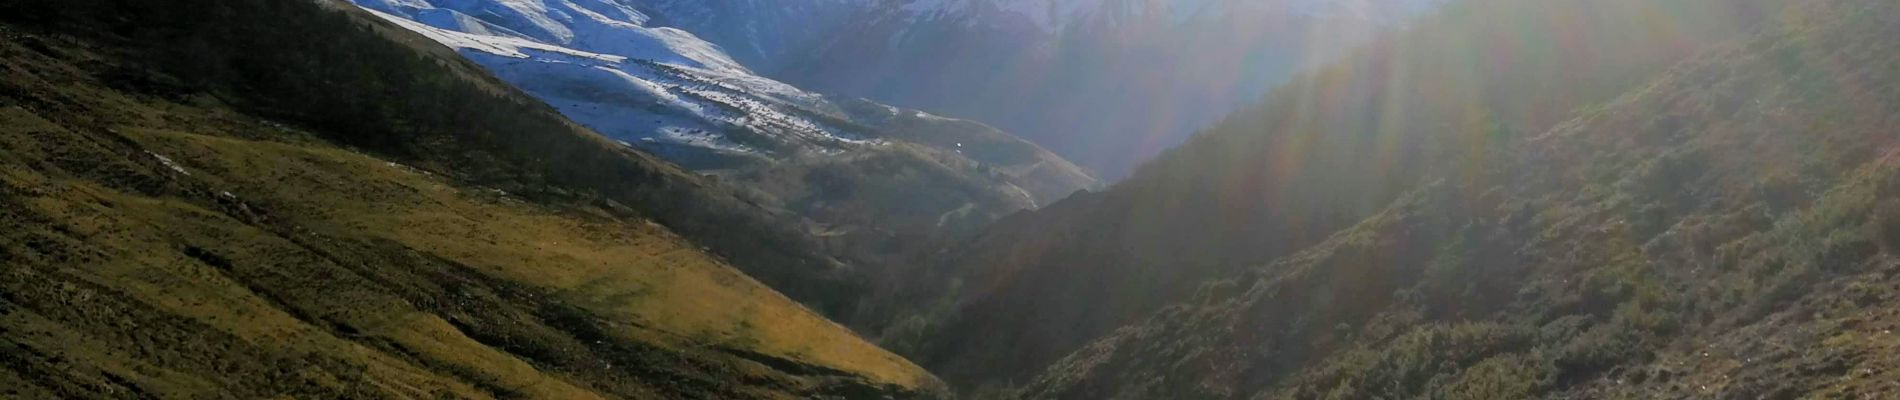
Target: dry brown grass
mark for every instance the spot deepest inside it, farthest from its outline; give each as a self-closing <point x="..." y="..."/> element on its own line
<point x="634" y="271"/>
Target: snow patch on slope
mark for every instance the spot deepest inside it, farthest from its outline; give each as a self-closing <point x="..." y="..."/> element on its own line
<point x="599" y="26"/>
<point x="669" y="88"/>
<point x="511" y="47"/>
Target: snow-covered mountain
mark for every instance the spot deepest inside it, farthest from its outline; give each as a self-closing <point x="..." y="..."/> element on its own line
<point x="1106" y="83"/>
<point x="855" y="165"/>
<point x="758" y="33"/>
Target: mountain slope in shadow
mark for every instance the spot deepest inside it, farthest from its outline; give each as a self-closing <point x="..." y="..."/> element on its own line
<point x="1725" y="230"/>
<point x="289" y="198"/>
<point x="1317" y="156"/>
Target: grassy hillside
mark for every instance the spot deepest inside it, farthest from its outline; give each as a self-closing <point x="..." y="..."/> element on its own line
<point x="1318" y="155"/>
<point x="211" y="199"/>
<point x="360" y="82"/>
<point x="1721" y="231"/>
<point x="875" y="201"/>
<point x="889" y="206"/>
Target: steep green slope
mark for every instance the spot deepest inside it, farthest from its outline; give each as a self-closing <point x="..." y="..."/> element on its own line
<point x="1724" y="231"/>
<point x="411" y="99"/>
<point x="1317" y="156"/>
<point x="253" y="199"/>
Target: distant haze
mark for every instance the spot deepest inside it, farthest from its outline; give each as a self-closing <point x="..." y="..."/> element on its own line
<point x="1105" y="83"/>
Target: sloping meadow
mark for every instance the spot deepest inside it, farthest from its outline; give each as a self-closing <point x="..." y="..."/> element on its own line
<point x="248" y="224"/>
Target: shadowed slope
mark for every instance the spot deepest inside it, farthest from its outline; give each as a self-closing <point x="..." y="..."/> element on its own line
<point x="421" y="232"/>
<point x="1317" y="156"/>
<point x="1721" y="231"/>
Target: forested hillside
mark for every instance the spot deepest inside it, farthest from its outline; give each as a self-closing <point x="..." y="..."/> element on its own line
<point x="1318" y="155"/>
<point x="1723" y="230"/>
<point x="261" y="198"/>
